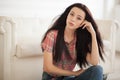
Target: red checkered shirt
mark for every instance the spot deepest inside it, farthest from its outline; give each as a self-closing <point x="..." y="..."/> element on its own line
<point x="64" y="63"/>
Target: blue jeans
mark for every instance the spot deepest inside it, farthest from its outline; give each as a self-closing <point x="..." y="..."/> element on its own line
<point x="92" y="73"/>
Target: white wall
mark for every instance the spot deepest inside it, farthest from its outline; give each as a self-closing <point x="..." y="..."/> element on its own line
<point x="45" y="8"/>
<point x="109" y="9"/>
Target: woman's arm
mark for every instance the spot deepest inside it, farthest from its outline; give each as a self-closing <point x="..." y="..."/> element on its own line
<point x="50" y="68"/>
<point x="93" y="57"/>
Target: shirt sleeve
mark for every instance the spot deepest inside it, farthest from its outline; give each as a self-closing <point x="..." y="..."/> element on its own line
<point x="49" y="42"/>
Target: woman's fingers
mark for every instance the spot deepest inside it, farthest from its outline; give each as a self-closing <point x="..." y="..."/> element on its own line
<point x="84" y="26"/>
<point x="82" y="23"/>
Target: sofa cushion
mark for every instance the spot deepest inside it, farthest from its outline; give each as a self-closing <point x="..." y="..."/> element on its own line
<point x="28" y="46"/>
<point x="107" y="57"/>
<point x="28" y="35"/>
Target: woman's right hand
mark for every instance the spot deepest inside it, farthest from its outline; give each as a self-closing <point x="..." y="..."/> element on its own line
<point x="77" y="73"/>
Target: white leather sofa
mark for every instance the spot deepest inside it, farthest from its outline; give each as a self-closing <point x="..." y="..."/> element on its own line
<point x="20" y="53"/>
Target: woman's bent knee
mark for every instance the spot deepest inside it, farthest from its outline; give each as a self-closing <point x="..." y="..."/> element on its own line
<point x="92" y="73"/>
<point x="97" y="68"/>
<point x="97" y="72"/>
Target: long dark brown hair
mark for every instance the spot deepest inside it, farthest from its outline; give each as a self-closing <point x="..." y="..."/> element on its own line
<point x="83" y="42"/>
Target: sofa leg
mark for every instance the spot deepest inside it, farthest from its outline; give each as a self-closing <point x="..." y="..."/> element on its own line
<point x="105" y="76"/>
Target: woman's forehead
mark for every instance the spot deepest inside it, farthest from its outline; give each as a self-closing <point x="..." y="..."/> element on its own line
<point x="78" y="11"/>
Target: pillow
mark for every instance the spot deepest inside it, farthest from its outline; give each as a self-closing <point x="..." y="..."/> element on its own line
<point x="28" y="47"/>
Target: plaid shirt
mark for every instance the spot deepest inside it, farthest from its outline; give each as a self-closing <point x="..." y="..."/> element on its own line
<point x="64" y="63"/>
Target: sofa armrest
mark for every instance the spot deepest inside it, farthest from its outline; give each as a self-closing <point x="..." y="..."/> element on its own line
<point x="108" y="32"/>
<point x="2" y="31"/>
<point x="12" y="64"/>
<point x="7" y="30"/>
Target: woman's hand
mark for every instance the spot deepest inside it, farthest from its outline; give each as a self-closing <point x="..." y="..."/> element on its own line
<point x="88" y="26"/>
<point x="77" y="73"/>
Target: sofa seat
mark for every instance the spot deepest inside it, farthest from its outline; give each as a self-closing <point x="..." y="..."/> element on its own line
<point x="27" y="68"/>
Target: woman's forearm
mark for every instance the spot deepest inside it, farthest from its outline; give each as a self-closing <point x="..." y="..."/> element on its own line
<point x="50" y="68"/>
<point x="95" y="52"/>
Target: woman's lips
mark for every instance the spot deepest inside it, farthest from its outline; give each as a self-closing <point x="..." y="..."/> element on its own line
<point x="71" y="24"/>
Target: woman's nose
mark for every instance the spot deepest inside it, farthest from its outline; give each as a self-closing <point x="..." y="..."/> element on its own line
<point x="73" y="18"/>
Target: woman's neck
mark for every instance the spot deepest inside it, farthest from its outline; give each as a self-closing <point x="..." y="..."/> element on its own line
<point x="69" y="35"/>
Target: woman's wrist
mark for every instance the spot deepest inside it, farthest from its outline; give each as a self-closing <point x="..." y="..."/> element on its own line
<point x="93" y="34"/>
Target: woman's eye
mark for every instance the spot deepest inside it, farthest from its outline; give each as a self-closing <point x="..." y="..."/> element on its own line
<point x="71" y="14"/>
<point x="79" y="18"/>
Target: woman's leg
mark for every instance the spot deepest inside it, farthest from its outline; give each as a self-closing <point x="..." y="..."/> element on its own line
<point x="69" y="78"/>
<point x="46" y="76"/>
<point x="92" y="73"/>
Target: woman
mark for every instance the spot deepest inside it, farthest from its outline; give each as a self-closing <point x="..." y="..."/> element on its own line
<point x="73" y="39"/>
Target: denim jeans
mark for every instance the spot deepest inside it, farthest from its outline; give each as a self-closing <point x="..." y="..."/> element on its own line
<point x="92" y="73"/>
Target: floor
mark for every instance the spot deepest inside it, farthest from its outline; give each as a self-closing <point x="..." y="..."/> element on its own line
<point x="116" y="74"/>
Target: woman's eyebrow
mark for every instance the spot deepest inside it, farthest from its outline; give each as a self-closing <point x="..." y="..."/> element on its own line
<point x="72" y="11"/>
<point x="80" y="16"/>
<point x="77" y="15"/>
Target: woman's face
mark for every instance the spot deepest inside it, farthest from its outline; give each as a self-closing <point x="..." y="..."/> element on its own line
<point x="75" y="17"/>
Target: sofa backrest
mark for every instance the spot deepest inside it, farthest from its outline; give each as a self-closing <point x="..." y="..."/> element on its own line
<point x="106" y="28"/>
<point x="28" y="33"/>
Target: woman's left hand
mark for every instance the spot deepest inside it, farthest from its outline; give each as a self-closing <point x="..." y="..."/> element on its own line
<point x="88" y="26"/>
